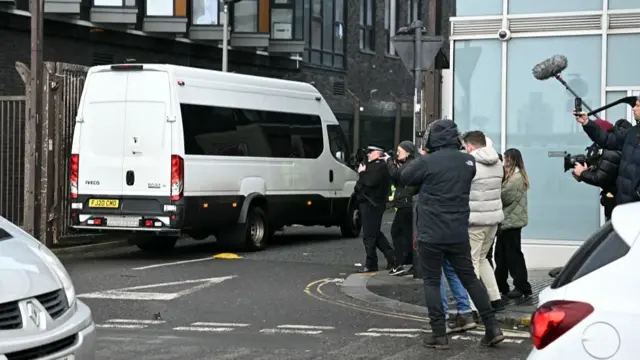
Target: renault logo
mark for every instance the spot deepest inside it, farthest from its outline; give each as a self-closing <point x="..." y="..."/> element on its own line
<point x="34" y="313"/>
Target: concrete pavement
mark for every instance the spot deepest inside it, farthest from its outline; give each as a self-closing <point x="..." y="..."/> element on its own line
<point x="282" y="303"/>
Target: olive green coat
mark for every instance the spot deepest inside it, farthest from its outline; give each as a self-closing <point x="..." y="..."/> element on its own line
<point x="514" y="203"/>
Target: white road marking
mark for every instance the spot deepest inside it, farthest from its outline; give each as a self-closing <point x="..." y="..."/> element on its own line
<point x="129" y="293"/>
<point x="506" y="333"/>
<point x="132" y="321"/>
<point x="288" y="331"/>
<point x="377" y="334"/>
<point x="204" y="329"/>
<point x="120" y="326"/>
<point x="394" y="330"/>
<point x="219" y="324"/>
<point x="477" y="338"/>
<point x="172" y="263"/>
<point x="305" y="327"/>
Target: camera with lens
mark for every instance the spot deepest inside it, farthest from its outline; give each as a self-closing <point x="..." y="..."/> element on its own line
<point x="590" y="158"/>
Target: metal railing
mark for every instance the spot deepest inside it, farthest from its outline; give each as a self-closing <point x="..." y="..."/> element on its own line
<point x="12" y="113"/>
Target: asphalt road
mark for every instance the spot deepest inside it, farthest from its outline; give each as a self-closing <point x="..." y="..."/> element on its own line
<point x="282" y="303"/>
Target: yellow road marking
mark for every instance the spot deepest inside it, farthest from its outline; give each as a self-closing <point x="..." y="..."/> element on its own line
<point x="227" y="256"/>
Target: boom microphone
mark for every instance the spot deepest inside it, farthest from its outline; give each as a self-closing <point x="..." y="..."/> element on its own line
<point x="551" y="67"/>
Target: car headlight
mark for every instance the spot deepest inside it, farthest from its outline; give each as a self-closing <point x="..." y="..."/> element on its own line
<point x="56" y="266"/>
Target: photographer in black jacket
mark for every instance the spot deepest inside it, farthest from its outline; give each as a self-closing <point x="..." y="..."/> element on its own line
<point x="372" y="191"/>
<point x="605" y="172"/>
<point x="402" y="228"/>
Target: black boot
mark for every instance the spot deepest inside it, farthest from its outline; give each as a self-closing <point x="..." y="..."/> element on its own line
<point x="436" y="342"/>
<point x="492" y="337"/>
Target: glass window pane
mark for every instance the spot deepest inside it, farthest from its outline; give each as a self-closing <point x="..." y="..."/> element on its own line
<point x="338" y="61"/>
<point x="327" y="25"/>
<point x="316" y="32"/>
<point x="363" y="10"/>
<point x="551" y="6"/>
<point x="205" y="12"/>
<point x="245" y="17"/>
<point x="298" y="20"/>
<point x="159" y="7"/>
<point x="108" y="2"/>
<point x="476" y="87"/>
<point x="617" y="112"/>
<point x="281" y="23"/>
<point x="624" y="4"/>
<point x="327" y="59"/>
<point x="539" y="121"/>
<point x="622" y="60"/>
<point x="475" y="7"/>
<point x="307" y="22"/>
<point x="339" y="8"/>
<point x="316" y="57"/>
<point x="338" y="38"/>
<point x="369" y="12"/>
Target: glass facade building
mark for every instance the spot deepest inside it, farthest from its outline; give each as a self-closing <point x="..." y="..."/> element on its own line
<point x="492" y="89"/>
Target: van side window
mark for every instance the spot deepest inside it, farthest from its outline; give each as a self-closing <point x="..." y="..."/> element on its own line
<point x="338" y="143"/>
<point x="223" y="131"/>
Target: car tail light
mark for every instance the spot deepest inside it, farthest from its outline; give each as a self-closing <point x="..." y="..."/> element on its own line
<point x="74" y="174"/>
<point x="177" y="177"/>
<point x="554" y="318"/>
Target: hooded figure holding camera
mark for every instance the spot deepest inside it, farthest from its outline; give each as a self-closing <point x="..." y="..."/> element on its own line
<point x="605" y="172"/>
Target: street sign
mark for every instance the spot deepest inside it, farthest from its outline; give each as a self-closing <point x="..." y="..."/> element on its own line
<point x="133" y="293"/>
<point x="405" y="46"/>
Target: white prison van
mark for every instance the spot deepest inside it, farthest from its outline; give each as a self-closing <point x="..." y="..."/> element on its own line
<point x="162" y="150"/>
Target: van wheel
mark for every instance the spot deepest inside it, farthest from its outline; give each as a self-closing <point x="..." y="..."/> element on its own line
<point x="158" y="244"/>
<point x="352" y="224"/>
<point x="256" y="230"/>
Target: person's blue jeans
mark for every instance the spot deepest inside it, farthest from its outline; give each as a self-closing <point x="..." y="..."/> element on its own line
<point x="459" y="293"/>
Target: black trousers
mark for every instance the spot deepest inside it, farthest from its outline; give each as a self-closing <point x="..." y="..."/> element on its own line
<point x="372" y="237"/>
<point x="432" y="258"/>
<point x="510" y="260"/>
<point x="402" y="236"/>
<point x="608" y="204"/>
<point x="490" y="255"/>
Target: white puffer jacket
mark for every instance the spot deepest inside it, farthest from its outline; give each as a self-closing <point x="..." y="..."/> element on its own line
<point x="484" y="199"/>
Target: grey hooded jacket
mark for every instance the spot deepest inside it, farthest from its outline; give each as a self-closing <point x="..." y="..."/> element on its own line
<point x="484" y="199"/>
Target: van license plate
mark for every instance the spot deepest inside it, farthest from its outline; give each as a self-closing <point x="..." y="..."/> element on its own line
<point x="104" y="203"/>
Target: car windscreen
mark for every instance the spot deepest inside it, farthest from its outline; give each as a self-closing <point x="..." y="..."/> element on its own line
<point x="601" y="249"/>
<point x="4" y="235"/>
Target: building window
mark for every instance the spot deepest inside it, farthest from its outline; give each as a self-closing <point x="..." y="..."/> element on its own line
<point x="544" y="6"/>
<point x="367" y="19"/>
<point x="391" y="24"/>
<point x="167" y="8"/>
<point x="205" y="12"/>
<point x="552" y="195"/>
<point x="108" y="2"/>
<point x="245" y="16"/>
<point x="324" y="33"/>
<point x="283" y="24"/>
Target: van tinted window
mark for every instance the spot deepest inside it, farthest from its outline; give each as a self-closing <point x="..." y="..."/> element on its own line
<point x="4" y="235"/>
<point x="601" y="249"/>
<point x="222" y="131"/>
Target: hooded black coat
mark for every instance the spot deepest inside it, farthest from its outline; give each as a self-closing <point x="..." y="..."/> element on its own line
<point x="605" y="173"/>
<point x="444" y="177"/>
<point x="628" y="143"/>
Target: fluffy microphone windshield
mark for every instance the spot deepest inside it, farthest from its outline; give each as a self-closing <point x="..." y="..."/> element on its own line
<point x="550" y="67"/>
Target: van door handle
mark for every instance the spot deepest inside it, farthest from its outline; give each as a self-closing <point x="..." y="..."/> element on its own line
<point x="131" y="178"/>
<point x="330" y="175"/>
<point x="136" y="152"/>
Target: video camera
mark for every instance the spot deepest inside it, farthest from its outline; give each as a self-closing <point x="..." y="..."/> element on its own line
<point x="590" y="158"/>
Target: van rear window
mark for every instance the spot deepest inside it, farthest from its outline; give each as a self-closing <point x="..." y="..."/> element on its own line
<point x="601" y="249"/>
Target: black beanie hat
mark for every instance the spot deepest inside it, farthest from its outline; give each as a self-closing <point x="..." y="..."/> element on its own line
<point x="409" y="147"/>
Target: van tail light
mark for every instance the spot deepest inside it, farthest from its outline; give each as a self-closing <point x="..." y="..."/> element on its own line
<point x="73" y="175"/>
<point x="177" y="177"/>
<point x="554" y="318"/>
